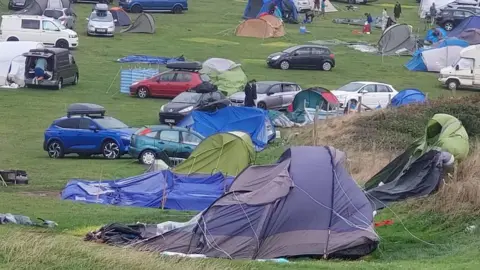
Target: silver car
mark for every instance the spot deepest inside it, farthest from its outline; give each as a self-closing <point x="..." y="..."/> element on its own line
<point x="64" y="15"/>
<point x="101" y="23"/>
<point x="270" y="95"/>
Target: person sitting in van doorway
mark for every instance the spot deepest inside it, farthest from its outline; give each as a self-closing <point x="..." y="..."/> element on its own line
<point x="250" y="94"/>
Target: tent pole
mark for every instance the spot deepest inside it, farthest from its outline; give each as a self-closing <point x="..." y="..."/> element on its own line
<point x="108" y="90"/>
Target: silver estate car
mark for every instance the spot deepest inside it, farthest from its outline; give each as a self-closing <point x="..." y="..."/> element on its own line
<point x="101" y="23"/>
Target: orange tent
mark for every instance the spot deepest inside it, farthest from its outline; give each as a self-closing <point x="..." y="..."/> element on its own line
<point x="267" y="26"/>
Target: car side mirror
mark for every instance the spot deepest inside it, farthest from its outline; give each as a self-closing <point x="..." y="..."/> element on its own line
<point x="457" y="67"/>
<point x="363" y="91"/>
<point x="115" y="20"/>
<point x="92" y="127"/>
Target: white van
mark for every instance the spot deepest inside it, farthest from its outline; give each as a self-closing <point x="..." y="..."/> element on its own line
<point x="37" y="28"/>
<point x="465" y="72"/>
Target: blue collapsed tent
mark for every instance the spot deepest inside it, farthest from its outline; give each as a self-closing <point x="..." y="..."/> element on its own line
<point x="257" y="7"/>
<point x="437" y="56"/>
<point x="252" y="121"/>
<point x="467" y="23"/>
<point x="148" y="59"/>
<point x="432" y="38"/>
<point x="177" y="191"/>
<point x="408" y="96"/>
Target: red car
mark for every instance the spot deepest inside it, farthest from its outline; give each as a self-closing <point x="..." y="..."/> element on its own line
<point x="180" y="78"/>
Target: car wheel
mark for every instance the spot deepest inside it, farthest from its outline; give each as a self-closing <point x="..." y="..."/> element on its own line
<point x="59" y="84"/>
<point x="110" y="150"/>
<point x="147" y="157"/>
<point x="177" y="10"/>
<point x="262" y="105"/>
<point x="448" y="26"/>
<point x="284" y="65"/>
<point x="327" y="66"/>
<point x="452" y="84"/>
<point x="55" y="149"/>
<point x="62" y="43"/>
<point x="75" y="79"/>
<point x="142" y="92"/>
<point x="136" y="9"/>
<point x="12" y="39"/>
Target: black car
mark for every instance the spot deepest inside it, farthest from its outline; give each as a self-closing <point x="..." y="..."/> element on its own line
<point x="61" y="68"/>
<point x="17" y="4"/>
<point x="204" y="97"/>
<point x="303" y="56"/>
<point x="449" y="18"/>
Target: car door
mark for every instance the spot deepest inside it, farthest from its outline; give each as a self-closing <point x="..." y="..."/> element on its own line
<point x="163" y="85"/>
<point x="301" y="58"/>
<point x="318" y="57"/>
<point x="368" y="98"/>
<point x="67" y="133"/>
<point x="288" y="94"/>
<point x="182" y="82"/>
<point x="169" y="140"/>
<point x="384" y="95"/>
<point x="64" y="68"/>
<point x="89" y="135"/>
<point x="274" y="97"/>
<point x="189" y="142"/>
<point x="50" y="32"/>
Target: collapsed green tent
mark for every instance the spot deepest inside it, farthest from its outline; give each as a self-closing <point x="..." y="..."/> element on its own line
<point x="442" y="133"/>
<point x="229" y="153"/>
<point x="227" y="75"/>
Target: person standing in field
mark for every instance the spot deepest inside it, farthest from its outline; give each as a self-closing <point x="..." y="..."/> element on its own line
<point x="250" y="94"/>
<point x="397" y="10"/>
<point x="322" y="6"/>
<point x="433" y="13"/>
<point x="384" y="19"/>
<point x="316" y="6"/>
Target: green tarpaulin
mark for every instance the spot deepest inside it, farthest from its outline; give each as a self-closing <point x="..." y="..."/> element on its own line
<point x="228" y="153"/>
<point x="225" y="74"/>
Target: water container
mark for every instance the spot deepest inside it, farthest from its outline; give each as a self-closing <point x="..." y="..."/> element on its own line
<point x="303" y="29"/>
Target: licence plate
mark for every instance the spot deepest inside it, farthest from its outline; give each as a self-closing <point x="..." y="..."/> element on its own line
<point x="237" y="104"/>
<point x="102" y="30"/>
<point x="169" y="121"/>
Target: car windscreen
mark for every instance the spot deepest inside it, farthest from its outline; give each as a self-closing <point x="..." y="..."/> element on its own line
<point x="262" y="88"/>
<point x="351" y="87"/>
<point x="187" y="97"/>
<point x="110" y="123"/>
<point x="101" y="16"/>
<point x="59" y="24"/>
<point x="53" y="13"/>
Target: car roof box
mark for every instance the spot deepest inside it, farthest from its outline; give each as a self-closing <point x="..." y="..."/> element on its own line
<point x="205" y="87"/>
<point x="101" y="7"/>
<point x="190" y="66"/>
<point x="85" y="109"/>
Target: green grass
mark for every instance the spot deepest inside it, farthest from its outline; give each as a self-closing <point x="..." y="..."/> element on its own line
<point x="203" y="32"/>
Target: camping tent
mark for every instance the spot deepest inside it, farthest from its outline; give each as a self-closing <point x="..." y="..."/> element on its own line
<point x="176" y="191"/>
<point x="471" y="35"/>
<point x="304" y="205"/>
<point x="408" y="96"/>
<point x="267" y="26"/>
<point x="304" y="105"/>
<point x="121" y="17"/>
<point x="228" y="153"/>
<point x="227" y="75"/>
<point x="12" y="61"/>
<point x="397" y="39"/>
<point x="441" y="54"/>
<point x="37" y="7"/>
<point x="467" y="23"/>
<point x="255" y="122"/>
<point x="432" y="38"/>
<point x="443" y="132"/>
<point x="256" y="7"/>
<point x="143" y="24"/>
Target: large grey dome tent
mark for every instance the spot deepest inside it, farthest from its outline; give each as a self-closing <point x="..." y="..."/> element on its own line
<point x="397" y="39"/>
<point x="143" y="24"/>
<point x="304" y="205"/>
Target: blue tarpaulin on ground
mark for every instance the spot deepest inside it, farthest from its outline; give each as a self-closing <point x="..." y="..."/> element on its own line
<point x="148" y="59"/>
<point x="193" y="192"/>
<point x="252" y="121"/>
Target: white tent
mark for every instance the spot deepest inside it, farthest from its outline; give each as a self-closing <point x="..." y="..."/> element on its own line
<point x="329" y="7"/>
<point x="426" y="4"/>
<point x="12" y="62"/>
<point x="439" y="58"/>
<point x="219" y="64"/>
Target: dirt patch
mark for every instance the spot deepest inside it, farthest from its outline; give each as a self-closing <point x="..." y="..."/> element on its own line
<point x="51" y="194"/>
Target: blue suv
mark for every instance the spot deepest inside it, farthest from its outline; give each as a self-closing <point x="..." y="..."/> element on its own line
<point x="87" y="131"/>
<point x="138" y="6"/>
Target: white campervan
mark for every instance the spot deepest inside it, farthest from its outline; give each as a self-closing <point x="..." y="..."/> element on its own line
<point x="37" y="28"/>
<point x="465" y="72"/>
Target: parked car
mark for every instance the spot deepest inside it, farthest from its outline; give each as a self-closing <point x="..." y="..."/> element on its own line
<point x="60" y="64"/>
<point x="303" y="5"/>
<point x="464" y="3"/>
<point x="270" y="95"/>
<point x="101" y="23"/>
<point x="303" y="56"/>
<point x="64" y="15"/>
<point x="93" y="1"/>
<point x="150" y="143"/>
<point x="174" y="111"/>
<point x="86" y="131"/>
<point x="449" y="18"/>
<point x="49" y="31"/>
<point x="372" y="93"/>
<point x="17" y="4"/>
<point x="474" y="9"/>
<point x="138" y="6"/>
<point x="181" y="77"/>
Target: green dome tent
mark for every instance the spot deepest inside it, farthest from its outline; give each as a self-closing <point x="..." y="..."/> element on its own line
<point x="229" y="153"/>
<point x="227" y="75"/>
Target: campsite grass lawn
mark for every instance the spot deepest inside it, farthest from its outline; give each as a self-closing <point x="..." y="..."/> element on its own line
<point x="205" y="31"/>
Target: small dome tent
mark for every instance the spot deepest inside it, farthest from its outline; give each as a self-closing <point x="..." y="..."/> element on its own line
<point x="143" y="24"/>
<point x="227" y="75"/>
<point x="121" y="17"/>
<point x="408" y="96"/>
<point x="267" y="26"/>
<point x="397" y="39"/>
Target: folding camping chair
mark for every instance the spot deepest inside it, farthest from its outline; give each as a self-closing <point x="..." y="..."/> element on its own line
<point x="2" y="181"/>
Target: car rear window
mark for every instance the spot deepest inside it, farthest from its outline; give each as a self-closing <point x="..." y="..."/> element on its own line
<point x="53" y="13"/>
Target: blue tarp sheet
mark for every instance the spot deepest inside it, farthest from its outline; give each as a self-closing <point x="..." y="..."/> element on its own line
<point x="147" y="59"/>
<point x="408" y="96"/>
<point x="194" y="192"/>
<point x="467" y="23"/>
<point x="253" y="121"/>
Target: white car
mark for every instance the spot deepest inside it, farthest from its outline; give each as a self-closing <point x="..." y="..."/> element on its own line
<point x="270" y="95"/>
<point x="101" y="23"/>
<point x="49" y="31"/>
<point x="303" y="5"/>
<point x="373" y="94"/>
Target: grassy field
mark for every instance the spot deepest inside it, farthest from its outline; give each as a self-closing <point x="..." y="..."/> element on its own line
<point x="205" y="31"/>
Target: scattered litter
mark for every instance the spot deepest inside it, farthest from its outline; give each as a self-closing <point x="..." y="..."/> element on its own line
<point x="279" y="260"/>
<point x="471" y="229"/>
<point x="384" y="223"/>
<point x="364" y="48"/>
<point x="24" y="220"/>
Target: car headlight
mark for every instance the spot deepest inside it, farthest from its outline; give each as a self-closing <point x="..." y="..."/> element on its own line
<point x="189" y="108"/>
<point x="72" y="36"/>
<point x="275" y="57"/>
<point x="162" y="108"/>
<point x="111" y="27"/>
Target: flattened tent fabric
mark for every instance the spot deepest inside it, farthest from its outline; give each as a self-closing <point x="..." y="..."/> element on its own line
<point x="253" y="121"/>
<point x="408" y="96"/>
<point x="397" y="39"/>
<point x="228" y="153"/>
<point x="179" y="192"/>
<point x="443" y="133"/>
<point x="121" y="16"/>
<point x="472" y="36"/>
<point x="227" y="75"/>
<point x="148" y="59"/>
<point x="143" y="24"/>
<point x="267" y="26"/>
<point x="377" y="21"/>
<point x="37" y="7"/>
<point x="467" y="23"/>
<point x="12" y="61"/>
<point x="304" y="205"/>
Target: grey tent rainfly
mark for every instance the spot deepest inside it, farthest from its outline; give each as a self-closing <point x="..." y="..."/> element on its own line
<point x="143" y="24"/>
<point x="37" y="7"/>
<point x="397" y="39"/>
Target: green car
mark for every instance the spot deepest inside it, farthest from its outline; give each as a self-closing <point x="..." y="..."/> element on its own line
<point x="152" y="142"/>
